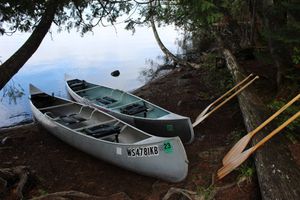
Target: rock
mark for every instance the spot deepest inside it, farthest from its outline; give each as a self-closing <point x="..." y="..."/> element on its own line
<point x="115" y="73"/>
<point x="179" y="103"/>
<point x="3" y="141"/>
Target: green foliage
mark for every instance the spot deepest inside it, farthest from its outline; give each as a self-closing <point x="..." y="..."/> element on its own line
<point x="190" y="15"/>
<point x="296" y="55"/>
<point x="156" y="69"/>
<point x="207" y="193"/>
<point x="81" y="15"/>
<point x="13" y="92"/>
<point x="236" y="135"/>
<point x="219" y="78"/>
<point x="263" y="56"/>
<point x="237" y="8"/>
<point x="246" y="172"/>
<point x="42" y="192"/>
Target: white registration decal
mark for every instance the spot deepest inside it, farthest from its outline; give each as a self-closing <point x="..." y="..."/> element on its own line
<point x="143" y="151"/>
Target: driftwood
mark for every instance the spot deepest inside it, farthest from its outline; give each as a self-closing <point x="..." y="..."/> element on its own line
<point x="13" y="181"/>
<point x="207" y="194"/>
<point x="278" y="174"/>
<point x="19" y="173"/>
<point x="80" y="195"/>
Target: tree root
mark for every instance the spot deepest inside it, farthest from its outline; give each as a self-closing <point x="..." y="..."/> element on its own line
<point x="13" y="181"/>
<point x="208" y="193"/>
<point x="65" y="195"/>
<point x="187" y="193"/>
<point x="19" y="174"/>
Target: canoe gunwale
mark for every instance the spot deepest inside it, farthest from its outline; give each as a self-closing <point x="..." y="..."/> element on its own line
<point x="108" y="151"/>
<point x="87" y="89"/>
<point x="187" y="135"/>
<point x="95" y="110"/>
<point x="56" y="106"/>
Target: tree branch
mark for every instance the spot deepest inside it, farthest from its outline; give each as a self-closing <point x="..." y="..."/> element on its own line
<point x="10" y="67"/>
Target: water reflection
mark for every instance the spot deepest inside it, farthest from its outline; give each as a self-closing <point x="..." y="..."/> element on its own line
<point x="92" y="57"/>
<point x="12" y="92"/>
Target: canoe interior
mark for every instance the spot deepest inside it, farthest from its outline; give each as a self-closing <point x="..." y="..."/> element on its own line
<point x="116" y="100"/>
<point x="86" y="120"/>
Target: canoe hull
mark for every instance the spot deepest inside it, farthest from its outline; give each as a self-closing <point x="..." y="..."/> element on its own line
<point x="149" y="157"/>
<point x="163" y="128"/>
<point x="167" y="126"/>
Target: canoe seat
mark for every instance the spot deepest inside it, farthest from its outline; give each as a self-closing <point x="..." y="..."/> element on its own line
<point x="72" y="119"/>
<point x="134" y="109"/>
<point x="106" y="100"/>
<point x="77" y="84"/>
<point x="103" y="130"/>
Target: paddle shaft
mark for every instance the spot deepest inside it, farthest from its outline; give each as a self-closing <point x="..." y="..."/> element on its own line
<point x="231" y="96"/>
<point x="241" y="157"/>
<point x="274" y="132"/>
<point x="242" y="143"/>
<point x="252" y="133"/>
<point x="237" y="85"/>
<point x="200" y="116"/>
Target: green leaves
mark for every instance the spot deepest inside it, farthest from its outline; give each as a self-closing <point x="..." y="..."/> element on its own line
<point x="83" y="15"/>
<point x="296" y="55"/>
<point x="206" y="6"/>
<point x="277" y="104"/>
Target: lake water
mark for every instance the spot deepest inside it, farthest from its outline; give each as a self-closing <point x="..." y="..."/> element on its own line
<point x="92" y="57"/>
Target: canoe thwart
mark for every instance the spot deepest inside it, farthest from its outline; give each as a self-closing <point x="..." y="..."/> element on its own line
<point x="110" y="139"/>
<point x="132" y="109"/>
<point x="87" y="89"/>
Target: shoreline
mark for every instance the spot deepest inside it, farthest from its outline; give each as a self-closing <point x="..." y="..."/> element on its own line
<point x="183" y="91"/>
<point x="31" y="120"/>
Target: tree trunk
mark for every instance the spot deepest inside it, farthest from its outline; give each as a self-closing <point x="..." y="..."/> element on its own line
<point x="11" y="66"/>
<point x="164" y="49"/>
<point x="274" y="22"/>
<point x="278" y="174"/>
<point x="252" y="9"/>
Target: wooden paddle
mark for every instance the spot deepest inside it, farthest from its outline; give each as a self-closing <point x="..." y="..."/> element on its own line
<point x="243" y="142"/>
<point x="221" y="97"/>
<point x="240" y="158"/>
<point x="223" y="102"/>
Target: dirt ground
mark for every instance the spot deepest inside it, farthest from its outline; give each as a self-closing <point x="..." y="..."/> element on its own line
<point x="55" y="166"/>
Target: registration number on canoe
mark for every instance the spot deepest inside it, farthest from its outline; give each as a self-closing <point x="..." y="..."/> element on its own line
<point x="143" y="151"/>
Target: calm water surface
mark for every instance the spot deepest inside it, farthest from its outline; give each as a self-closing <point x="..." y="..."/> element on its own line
<point x="92" y="57"/>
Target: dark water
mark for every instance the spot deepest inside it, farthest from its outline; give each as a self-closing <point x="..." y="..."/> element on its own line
<point x="92" y="57"/>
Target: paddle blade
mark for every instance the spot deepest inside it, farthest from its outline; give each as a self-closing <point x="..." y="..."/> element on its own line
<point x="203" y="112"/>
<point x="198" y="121"/>
<point x="234" y="163"/>
<point x="236" y="149"/>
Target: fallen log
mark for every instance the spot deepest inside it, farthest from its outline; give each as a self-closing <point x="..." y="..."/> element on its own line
<point x="278" y="174"/>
